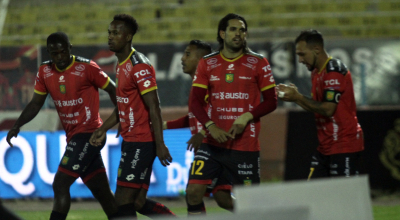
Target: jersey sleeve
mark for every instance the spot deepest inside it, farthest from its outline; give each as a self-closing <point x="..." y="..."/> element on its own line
<point x="97" y="76"/>
<point x="264" y="75"/>
<point x="144" y="76"/>
<point x="334" y="84"/>
<point x="200" y="78"/>
<point x="40" y="86"/>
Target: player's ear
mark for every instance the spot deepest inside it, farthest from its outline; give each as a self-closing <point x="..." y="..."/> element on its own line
<point x="129" y="37"/>
<point x="222" y="34"/>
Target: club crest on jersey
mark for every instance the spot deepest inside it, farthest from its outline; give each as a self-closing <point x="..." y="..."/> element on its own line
<point x="330" y="95"/>
<point x="247" y="182"/>
<point x="64" y="160"/>
<point x="229" y="77"/>
<point x="62" y="89"/>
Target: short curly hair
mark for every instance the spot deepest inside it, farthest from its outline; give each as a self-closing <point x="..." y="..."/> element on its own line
<point x="129" y="21"/>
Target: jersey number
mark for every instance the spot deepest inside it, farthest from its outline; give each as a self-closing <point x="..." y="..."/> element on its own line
<point x="200" y="165"/>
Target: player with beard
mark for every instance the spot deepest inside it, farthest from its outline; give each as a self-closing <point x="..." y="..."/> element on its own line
<point x="332" y="101"/>
<point x="139" y="114"/>
<point x="73" y="84"/>
<point x="235" y="78"/>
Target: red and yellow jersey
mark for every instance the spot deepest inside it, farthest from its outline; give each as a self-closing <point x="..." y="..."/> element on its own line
<point x="340" y="133"/>
<point x="135" y="77"/>
<point x="75" y="94"/>
<point x="234" y="87"/>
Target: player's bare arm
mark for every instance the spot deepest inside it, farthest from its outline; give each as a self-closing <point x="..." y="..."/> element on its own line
<point x="195" y="141"/>
<point x="100" y="134"/>
<point x="291" y="94"/>
<point x="29" y="112"/>
<point x="110" y="89"/>
<point x="152" y="102"/>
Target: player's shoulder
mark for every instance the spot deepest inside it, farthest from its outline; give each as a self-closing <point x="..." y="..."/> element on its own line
<point x="251" y="53"/>
<point x="139" y="58"/>
<point x="335" y="65"/>
<point x="46" y="63"/>
<point x="82" y="60"/>
<point x="211" y="55"/>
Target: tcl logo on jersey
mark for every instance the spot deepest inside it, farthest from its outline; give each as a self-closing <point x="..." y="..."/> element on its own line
<point x="331" y="82"/>
<point x="80" y="67"/>
<point x="267" y="68"/>
<point x="142" y="73"/>
<point x="229" y="95"/>
<point x="252" y="60"/>
<point x="212" y="61"/>
<point x="122" y="99"/>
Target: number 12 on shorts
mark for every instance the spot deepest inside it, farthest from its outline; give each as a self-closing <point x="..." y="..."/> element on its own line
<point x="197" y="166"/>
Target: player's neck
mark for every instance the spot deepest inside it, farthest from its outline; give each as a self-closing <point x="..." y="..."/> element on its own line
<point x="322" y="60"/>
<point x="230" y="54"/>
<point x="123" y="54"/>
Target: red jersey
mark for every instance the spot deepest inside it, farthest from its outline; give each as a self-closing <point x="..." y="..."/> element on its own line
<point x="234" y="87"/>
<point x="340" y="133"/>
<point x="74" y="92"/>
<point x="135" y="77"/>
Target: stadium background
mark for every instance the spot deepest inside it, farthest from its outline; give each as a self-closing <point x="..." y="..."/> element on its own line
<point x="364" y="34"/>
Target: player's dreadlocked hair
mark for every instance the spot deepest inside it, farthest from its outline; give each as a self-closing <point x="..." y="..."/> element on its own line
<point x="58" y="37"/>
<point x="201" y="45"/>
<point x="223" y="24"/>
<point x="130" y="22"/>
<point x="311" y="37"/>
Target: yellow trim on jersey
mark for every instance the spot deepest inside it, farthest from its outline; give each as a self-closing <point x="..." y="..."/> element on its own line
<point x="231" y="60"/>
<point x="39" y="92"/>
<point x="200" y="85"/>
<point x="148" y="90"/>
<point x="311" y="173"/>
<point x="72" y="63"/>
<point x="323" y="67"/>
<point x="133" y="50"/>
<point x="206" y="98"/>
<point x="106" y="84"/>
<point x="268" y="87"/>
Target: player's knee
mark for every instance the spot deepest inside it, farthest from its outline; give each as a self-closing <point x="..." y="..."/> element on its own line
<point x="194" y="194"/>
<point x="139" y="203"/>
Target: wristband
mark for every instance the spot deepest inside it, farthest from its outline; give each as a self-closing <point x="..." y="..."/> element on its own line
<point x="209" y="123"/>
<point x="203" y="132"/>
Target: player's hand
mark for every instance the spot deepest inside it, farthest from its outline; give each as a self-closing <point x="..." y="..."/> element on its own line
<point x="163" y="155"/>
<point x="119" y="130"/>
<point x="12" y="133"/>
<point x="218" y="134"/>
<point x="288" y="93"/>
<point x="236" y="129"/>
<point x="97" y="137"/>
<point x="195" y="142"/>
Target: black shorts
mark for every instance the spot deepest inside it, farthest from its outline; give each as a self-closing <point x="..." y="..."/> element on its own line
<point x="81" y="159"/>
<point x="221" y="168"/>
<point x="136" y="164"/>
<point x="334" y="165"/>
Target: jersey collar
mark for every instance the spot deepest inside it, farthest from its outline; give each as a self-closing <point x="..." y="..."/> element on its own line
<point x="72" y="63"/>
<point x="231" y="60"/>
<point x="133" y="50"/>
<point x="323" y="67"/>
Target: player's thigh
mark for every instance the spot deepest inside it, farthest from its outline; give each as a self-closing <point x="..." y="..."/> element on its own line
<point x="79" y="155"/>
<point x="244" y="167"/>
<point x="319" y="167"/>
<point x="136" y="164"/>
<point x="344" y="164"/>
<point x="206" y="166"/>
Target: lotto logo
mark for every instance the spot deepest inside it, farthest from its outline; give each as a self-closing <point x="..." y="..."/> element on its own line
<point x="147" y="83"/>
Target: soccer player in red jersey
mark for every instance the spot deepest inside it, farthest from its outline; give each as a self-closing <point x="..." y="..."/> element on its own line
<point x="190" y="59"/>
<point x="139" y="114"/>
<point x="235" y="78"/>
<point x="332" y="101"/>
<point x="73" y="84"/>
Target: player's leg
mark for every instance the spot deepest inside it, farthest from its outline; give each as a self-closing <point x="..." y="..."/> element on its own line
<point x="344" y="164"/>
<point x="6" y="214"/>
<point x="224" y="199"/>
<point x="319" y="166"/>
<point x="62" y="198"/>
<point x="203" y="170"/>
<point x="150" y="208"/>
